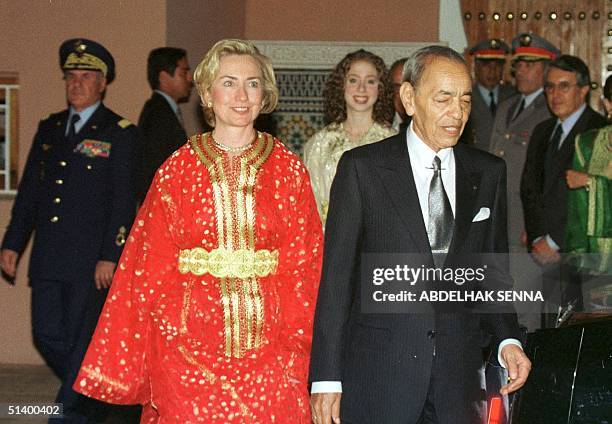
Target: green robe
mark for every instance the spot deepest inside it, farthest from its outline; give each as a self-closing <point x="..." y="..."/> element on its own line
<point x="589" y="225"/>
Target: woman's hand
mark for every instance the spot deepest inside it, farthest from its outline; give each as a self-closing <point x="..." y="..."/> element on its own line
<point x="576" y="179"/>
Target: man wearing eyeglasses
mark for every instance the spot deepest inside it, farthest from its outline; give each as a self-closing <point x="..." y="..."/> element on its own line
<point x="549" y="155"/>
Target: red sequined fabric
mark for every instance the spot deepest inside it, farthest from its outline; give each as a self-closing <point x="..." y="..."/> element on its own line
<point x="230" y="348"/>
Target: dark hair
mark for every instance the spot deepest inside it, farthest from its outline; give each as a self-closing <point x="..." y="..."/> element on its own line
<point x="572" y="64"/>
<point x="415" y="66"/>
<point x="399" y="62"/>
<point x="163" y="59"/>
<point x="607" y="91"/>
<point x="333" y="94"/>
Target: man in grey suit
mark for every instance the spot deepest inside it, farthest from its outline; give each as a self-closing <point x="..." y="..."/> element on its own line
<point x="515" y="120"/>
<point x="488" y="91"/>
<point x="418" y="193"/>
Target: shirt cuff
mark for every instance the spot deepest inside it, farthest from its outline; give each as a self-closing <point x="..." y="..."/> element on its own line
<point x="326" y="387"/>
<point x="503" y="344"/>
<point x="551" y="243"/>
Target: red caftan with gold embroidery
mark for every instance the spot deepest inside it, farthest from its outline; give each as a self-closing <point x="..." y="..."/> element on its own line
<point x="209" y="317"/>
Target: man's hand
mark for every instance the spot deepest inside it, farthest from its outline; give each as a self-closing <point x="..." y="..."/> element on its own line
<point x="576" y="179"/>
<point x="543" y="253"/>
<point x="8" y="263"/>
<point x="104" y="274"/>
<point x="518" y="366"/>
<point x="325" y="408"/>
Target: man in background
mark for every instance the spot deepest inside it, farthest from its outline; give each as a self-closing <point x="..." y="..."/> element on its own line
<point x="77" y="195"/>
<point x="515" y="119"/>
<point x="401" y="118"/>
<point x="488" y="91"/>
<point x="549" y="156"/>
<point x="161" y="127"/>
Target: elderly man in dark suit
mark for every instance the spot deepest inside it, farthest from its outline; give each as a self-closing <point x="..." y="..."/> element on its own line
<point x="415" y="193"/>
<point x="77" y="195"/>
<point x="160" y="126"/>
<point x="549" y="156"/>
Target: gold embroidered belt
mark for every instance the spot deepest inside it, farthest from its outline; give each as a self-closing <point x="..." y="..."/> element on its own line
<point x="222" y="263"/>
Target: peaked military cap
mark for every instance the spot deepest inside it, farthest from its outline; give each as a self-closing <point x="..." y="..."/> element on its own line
<point x="491" y="49"/>
<point x="80" y="53"/>
<point x="532" y="47"/>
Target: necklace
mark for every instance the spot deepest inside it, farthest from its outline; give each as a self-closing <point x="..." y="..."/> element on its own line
<point x="230" y="149"/>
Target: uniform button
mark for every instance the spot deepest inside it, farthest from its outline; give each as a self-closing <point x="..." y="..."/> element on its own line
<point x="89" y="167"/>
<point x="62" y="163"/>
<point x="507" y="136"/>
<point x="54" y="219"/>
<point x="431" y="334"/>
<point x="60" y="182"/>
<point x="500" y="153"/>
<point x="57" y="200"/>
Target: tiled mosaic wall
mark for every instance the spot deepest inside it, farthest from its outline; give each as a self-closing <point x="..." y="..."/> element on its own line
<point x="299" y="113"/>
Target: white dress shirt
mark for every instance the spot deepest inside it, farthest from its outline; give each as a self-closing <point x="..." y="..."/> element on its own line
<point x="421" y="159"/>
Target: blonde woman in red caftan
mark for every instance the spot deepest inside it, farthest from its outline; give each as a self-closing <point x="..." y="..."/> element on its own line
<point x="209" y="317"/>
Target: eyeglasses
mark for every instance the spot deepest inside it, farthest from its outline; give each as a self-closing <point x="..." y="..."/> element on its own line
<point x="563" y="87"/>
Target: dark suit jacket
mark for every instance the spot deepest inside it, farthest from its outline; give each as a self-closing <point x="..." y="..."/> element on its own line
<point x="160" y="134"/>
<point x="77" y="196"/>
<point x="544" y="194"/>
<point x="386" y="361"/>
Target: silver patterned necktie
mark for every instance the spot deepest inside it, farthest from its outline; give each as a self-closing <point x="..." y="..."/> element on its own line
<point x="441" y="220"/>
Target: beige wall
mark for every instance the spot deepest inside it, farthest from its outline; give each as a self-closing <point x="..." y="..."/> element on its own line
<point x="31" y="34"/>
<point x="196" y="25"/>
<point x="342" y="20"/>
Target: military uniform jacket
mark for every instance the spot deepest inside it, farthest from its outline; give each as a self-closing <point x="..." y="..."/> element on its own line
<point x="509" y="140"/>
<point x="480" y="125"/>
<point x="76" y="195"/>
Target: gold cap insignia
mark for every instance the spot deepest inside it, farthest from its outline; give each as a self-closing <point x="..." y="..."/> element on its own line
<point x="80" y="47"/>
<point x="525" y="40"/>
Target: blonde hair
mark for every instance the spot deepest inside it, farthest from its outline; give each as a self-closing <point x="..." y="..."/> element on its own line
<point x="208" y="69"/>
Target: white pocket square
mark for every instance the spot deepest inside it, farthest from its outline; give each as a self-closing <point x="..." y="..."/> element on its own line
<point x="482" y="214"/>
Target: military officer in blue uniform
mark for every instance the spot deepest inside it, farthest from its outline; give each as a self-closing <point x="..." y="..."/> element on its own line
<point x="77" y="196"/>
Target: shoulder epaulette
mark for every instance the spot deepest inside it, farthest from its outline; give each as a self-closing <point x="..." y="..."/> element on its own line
<point x="46" y="117"/>
<point x="124" y="123"/>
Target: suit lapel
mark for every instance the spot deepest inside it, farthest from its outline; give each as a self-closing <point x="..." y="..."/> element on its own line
<point x="395" y="172"/>
<point x="466" y="190"/>
<point x="512" y="111"/>
<point x="560" y="159"/>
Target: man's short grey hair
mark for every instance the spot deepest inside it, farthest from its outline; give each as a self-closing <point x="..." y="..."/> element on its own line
<point x="416" y="63"/>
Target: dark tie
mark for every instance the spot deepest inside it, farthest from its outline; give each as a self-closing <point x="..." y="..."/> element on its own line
<point x="492" y="105"/>
<point x="71" y="129"/>
<point x="520" y="109"/>
<point x="553" y="148"/>
<point x="441" y="220"/>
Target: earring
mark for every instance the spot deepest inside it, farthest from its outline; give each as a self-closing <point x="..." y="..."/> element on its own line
<point x="209" y="104"/>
